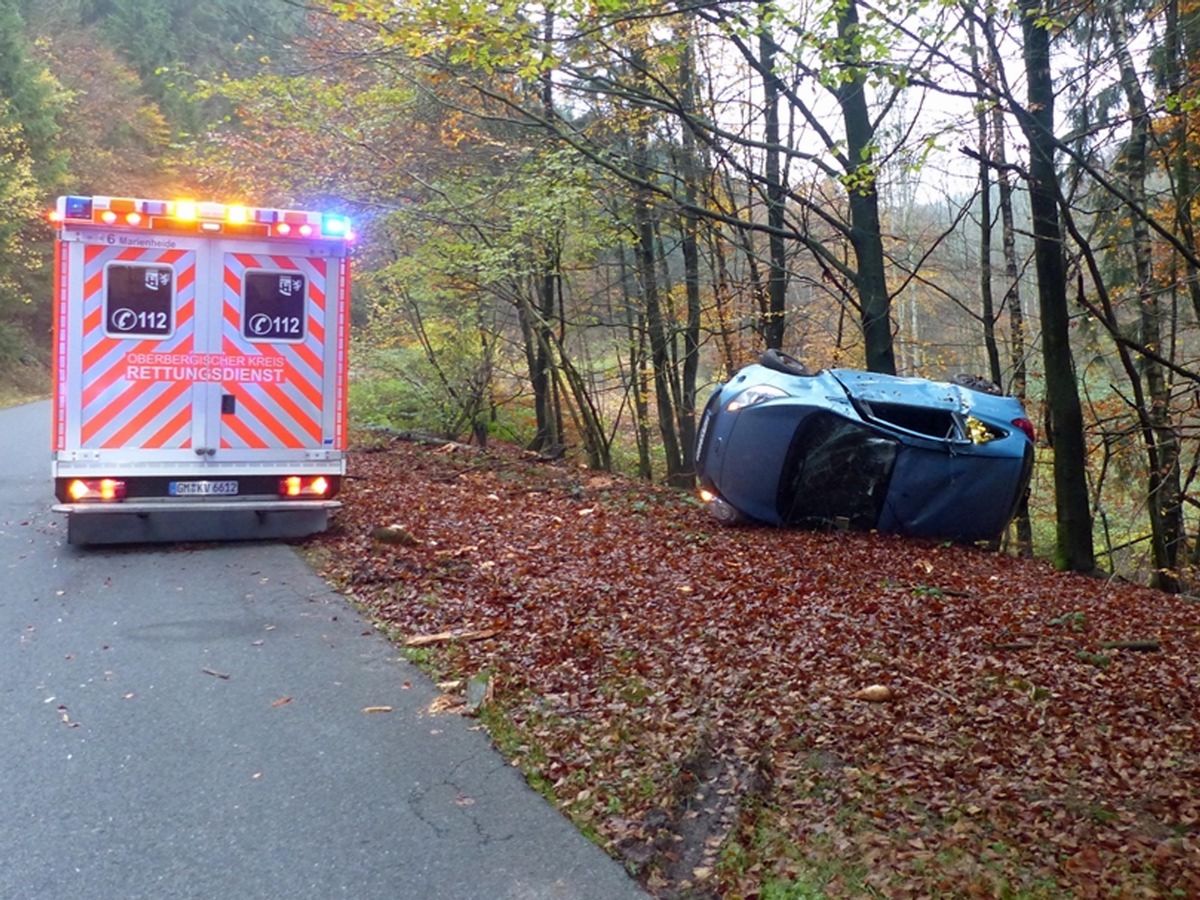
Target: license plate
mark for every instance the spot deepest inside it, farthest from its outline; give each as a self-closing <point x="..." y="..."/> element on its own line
<point x="203" y="488"/>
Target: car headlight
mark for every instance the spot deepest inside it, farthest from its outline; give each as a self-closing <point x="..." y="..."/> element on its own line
<point x="752" y="396"/>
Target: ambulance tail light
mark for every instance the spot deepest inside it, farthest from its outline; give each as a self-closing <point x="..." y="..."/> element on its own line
<point x="96" y="490"/>
<point x="308" y="486"/>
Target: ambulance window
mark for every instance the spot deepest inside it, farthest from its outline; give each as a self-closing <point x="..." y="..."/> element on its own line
<point x="273" y="306"/>
<point x="139" y="301"/>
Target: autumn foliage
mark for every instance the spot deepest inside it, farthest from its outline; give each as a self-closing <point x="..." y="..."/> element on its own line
<point x="730" y="711"/>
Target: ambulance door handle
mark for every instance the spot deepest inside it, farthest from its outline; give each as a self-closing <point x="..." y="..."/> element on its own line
<point x="206" y="451"/>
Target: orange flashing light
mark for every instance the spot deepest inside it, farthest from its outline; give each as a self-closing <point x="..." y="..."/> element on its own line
<point x="296" y="486"/>
<point x="104" y="489"/>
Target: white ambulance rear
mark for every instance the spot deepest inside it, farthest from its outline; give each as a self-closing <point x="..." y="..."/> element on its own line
<point x="199" y="371"/>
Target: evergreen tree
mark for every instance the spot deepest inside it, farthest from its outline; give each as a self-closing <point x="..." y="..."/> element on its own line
<point x="29" y="100"/>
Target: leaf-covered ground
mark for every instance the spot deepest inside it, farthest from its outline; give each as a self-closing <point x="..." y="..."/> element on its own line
<point x="731" y="711"/>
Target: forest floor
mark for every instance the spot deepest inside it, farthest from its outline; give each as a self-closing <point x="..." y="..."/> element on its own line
<point x="753" y="712"/>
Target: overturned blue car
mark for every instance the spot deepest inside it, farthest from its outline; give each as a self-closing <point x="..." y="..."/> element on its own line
<point x="849" y="449"/>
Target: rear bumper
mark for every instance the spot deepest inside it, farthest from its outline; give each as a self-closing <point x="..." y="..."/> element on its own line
<point x="146" y="507"/>
<point x="222" y="520"/>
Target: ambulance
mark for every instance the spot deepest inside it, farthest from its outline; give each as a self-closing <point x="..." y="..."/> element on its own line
<point x="199" y="377"/>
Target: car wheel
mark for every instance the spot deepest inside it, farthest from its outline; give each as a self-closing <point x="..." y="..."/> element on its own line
<point x="781" y="362"/>
<point x="977" y="383"/>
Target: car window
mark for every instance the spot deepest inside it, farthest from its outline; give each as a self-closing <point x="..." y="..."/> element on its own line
<point x="927" y="420"/>
<point x="836" y="469"/>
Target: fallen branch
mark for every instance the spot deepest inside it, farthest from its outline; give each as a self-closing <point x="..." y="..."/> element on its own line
<point x="445" y="637"/>
<point x="1014" y="645"/>
<point x="1140" y="646"/>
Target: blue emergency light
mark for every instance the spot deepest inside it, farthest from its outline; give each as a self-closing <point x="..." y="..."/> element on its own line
<point x="78" y="208"/>
<point x="335" y="226"/>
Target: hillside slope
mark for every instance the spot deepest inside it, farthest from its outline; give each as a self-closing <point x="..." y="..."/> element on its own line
<point x="733" y="710"/>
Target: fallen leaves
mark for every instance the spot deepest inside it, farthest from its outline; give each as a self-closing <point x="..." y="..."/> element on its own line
<point x="875" y="693"/>
<point x="952" y="731"/>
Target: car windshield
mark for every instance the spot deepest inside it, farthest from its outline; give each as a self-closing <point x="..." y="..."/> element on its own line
<point x="836" y="470"/>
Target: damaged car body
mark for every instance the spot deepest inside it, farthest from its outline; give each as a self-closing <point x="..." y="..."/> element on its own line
<point x="851" y="449"/>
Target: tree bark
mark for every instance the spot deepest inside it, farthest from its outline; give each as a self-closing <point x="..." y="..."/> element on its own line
<point x="774" y="319"/>
<point x="1012" y="276"/>
<point x="1073" y="549"/>
<point x="866" y="233"/>
<point x="1164" y="498"/>
<point x="691" y="267"/>
<point x="987" y="312"/>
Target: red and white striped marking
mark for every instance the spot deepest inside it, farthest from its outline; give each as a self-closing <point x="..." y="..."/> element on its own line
<point x="277" y="412"/>
<point x="115" y="410"/>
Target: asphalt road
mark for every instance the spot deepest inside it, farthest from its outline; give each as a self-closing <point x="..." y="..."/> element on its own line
<point x="187" y="722"/>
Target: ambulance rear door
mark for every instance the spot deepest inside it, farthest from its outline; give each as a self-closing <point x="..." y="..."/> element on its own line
<point x="130" y="312"/>
<point x="277" y="339"/>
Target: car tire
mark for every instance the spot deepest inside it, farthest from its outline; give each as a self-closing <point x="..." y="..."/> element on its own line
<point x="977" y="383"/>
<point x="781" y="362"/>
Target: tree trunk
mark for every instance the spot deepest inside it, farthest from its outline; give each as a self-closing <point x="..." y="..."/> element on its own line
<point x="691" y="266"/>
<point x="536" y="320"/>
<point x="638" y="378"/>
<point x="1073" y="548"/>
<point x="1013" y="303"/>
<point x="987" y="312"/>
<point x="774" y="319"/>
<point x="1165" y="503"/>
<point x="1178" y="59"/>
<point x="865" y="232"/>
<point x="643" y="214"/>
<point x="1177" y="66"/>
<point x="535" y="343"/>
